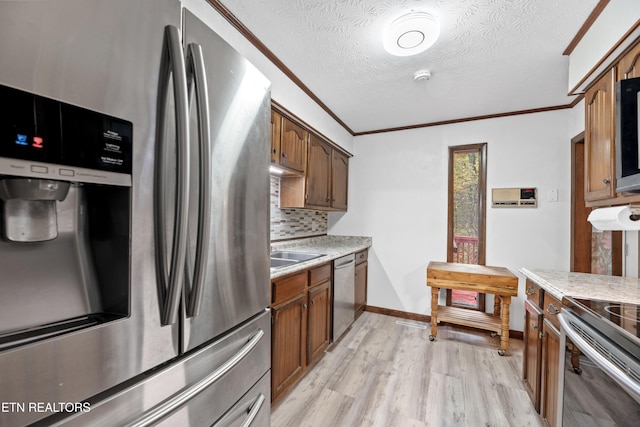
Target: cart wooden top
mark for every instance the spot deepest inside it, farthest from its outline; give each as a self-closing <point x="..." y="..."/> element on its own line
<point x="478" y="278"/>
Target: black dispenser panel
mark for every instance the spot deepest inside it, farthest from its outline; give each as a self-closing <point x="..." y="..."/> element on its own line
<point x="39" y="129"/>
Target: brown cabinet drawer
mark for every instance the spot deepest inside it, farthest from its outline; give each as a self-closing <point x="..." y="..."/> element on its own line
<point x="319" y="274"/>
<point x="288" y="287"/>
<point x="362" y="256"/>
<point x="551" y="308"/>
<point x="534" y="293"/>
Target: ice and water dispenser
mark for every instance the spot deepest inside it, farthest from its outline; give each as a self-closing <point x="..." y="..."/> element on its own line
<point x="65" y="209"/>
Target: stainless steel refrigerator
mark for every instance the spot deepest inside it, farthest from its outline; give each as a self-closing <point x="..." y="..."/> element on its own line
<point x="134" y="186"/>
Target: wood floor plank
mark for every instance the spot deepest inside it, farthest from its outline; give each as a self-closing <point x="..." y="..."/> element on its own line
<point x="386" y="374"/>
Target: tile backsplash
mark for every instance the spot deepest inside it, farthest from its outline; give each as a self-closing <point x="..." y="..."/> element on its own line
<point x="293" y="223"/>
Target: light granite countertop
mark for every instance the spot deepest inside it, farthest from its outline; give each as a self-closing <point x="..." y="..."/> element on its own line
<point x="331" y="247"/>
<point x="586" y="286"/>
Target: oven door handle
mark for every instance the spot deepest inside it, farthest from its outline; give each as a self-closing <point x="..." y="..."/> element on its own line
<point x="609" y="368"/>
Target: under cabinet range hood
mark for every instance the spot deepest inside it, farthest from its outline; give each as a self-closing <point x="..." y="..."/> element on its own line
<point x="616" y="218"/>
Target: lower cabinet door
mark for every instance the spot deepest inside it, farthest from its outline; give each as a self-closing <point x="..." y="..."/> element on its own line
<point x="288" y="351"/>
<point x="550" y="373"/>
<point x="361" y="287"/>
<point x="532" y="356"/>
<point x="319" y="320"/>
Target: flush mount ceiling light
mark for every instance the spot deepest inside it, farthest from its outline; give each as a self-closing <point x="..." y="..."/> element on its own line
<point x="411" y="34"/>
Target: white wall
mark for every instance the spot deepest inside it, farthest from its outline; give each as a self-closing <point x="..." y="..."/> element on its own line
<point x="398" y="195"/>
<point x="283" y="90"/>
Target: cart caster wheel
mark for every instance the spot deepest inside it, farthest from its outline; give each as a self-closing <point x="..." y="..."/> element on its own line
<point x="577" y="370"/>
<point x="501" y="352"/>
<point x="432" y="337"/>
<point x="493" y="334"/>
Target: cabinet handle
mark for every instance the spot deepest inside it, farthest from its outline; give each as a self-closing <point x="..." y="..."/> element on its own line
<point x="606" y="181"/>
<point x="552" y="309"/>
<point x="304" y="305"/>
<point x="541" y="335"/>
<point x="284" y="154"/>
<point x="313" y="301"/>
<point x="535" y="326"/>
<point x="531" y="290"/>
<point x="275" y="150"/>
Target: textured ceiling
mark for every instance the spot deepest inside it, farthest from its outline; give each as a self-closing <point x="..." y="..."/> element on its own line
<point x="493" y="56"/>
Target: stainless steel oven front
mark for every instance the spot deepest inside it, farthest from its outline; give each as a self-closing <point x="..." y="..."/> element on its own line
<point x="599" y="384"/>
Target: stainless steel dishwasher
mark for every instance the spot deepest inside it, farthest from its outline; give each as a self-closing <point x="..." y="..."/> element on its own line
<point x="343" y="294"/>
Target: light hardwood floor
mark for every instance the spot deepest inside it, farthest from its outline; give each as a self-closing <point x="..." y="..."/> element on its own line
<point x="387" y="374"/>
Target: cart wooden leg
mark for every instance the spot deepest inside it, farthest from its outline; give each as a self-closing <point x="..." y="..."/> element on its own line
<point x="434" y="313"/>
<point x="504" y="338"/>
<point x="496" y="305"/>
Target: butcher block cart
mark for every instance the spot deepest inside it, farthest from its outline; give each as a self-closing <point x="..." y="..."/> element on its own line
<point x="498" y="281"/>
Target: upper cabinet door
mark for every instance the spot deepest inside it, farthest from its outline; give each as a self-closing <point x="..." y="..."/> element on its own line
<point x="340" y="181"/>
<point x="276" y="129"/>
<point x="599" y="139"/>
<point x="318" y="176"/>
<point x="293" y="146"/>
<point x="629" y="65"/>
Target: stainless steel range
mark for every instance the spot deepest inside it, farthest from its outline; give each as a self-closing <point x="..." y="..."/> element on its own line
<point x="600" y="378"/>
<point x="134" y="185"/>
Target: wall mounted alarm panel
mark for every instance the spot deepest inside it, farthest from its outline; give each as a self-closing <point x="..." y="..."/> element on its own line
<point x="514" y="197"/>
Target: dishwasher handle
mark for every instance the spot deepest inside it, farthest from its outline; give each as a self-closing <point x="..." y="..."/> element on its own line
<point x="345" y="265"/>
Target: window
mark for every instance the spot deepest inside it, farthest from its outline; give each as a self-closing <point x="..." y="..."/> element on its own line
<point x="466" y="219"/>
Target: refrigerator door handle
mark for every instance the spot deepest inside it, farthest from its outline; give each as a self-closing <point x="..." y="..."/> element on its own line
<point x="171" y="279"/>
<point x="197" y="76"/>
<point x="168" y="406"/>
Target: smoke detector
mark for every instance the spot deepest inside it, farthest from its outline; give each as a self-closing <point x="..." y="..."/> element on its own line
<point x="422" y="75"/>
<point x="411" y="34"/>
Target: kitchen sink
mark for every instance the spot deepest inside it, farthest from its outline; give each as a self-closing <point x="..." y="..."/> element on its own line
<point x="283" y="259"/>
<point x="294" y="256"/>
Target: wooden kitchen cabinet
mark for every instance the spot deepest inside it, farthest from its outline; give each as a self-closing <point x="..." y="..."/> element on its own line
<point x="550" y="372"/>
<point x="318" y="180"/>
<point x="599" y="139"/>
<point x="276" y="130"/>
<point x="600" y="134"/>
<point x="301" y="324"/>
<point x="289" y="334"/>
<point x="339" y="180"/>
<point x="362" y="266"/>
<point x="541" y="356"/>
<point x="288" y="144"/>
<point x="324" y="185"/>
<point x="319" y="322"/>
<point x="629" y="65"/>
<point x="532" y="355"/>
<point x="288" y="331"/>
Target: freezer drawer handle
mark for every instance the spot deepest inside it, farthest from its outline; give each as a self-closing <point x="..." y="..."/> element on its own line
<point x="255" y="408"/>
<point x="197" y="76"/>
<point x="170" y="405"/>
<point x="171" y="279"/>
